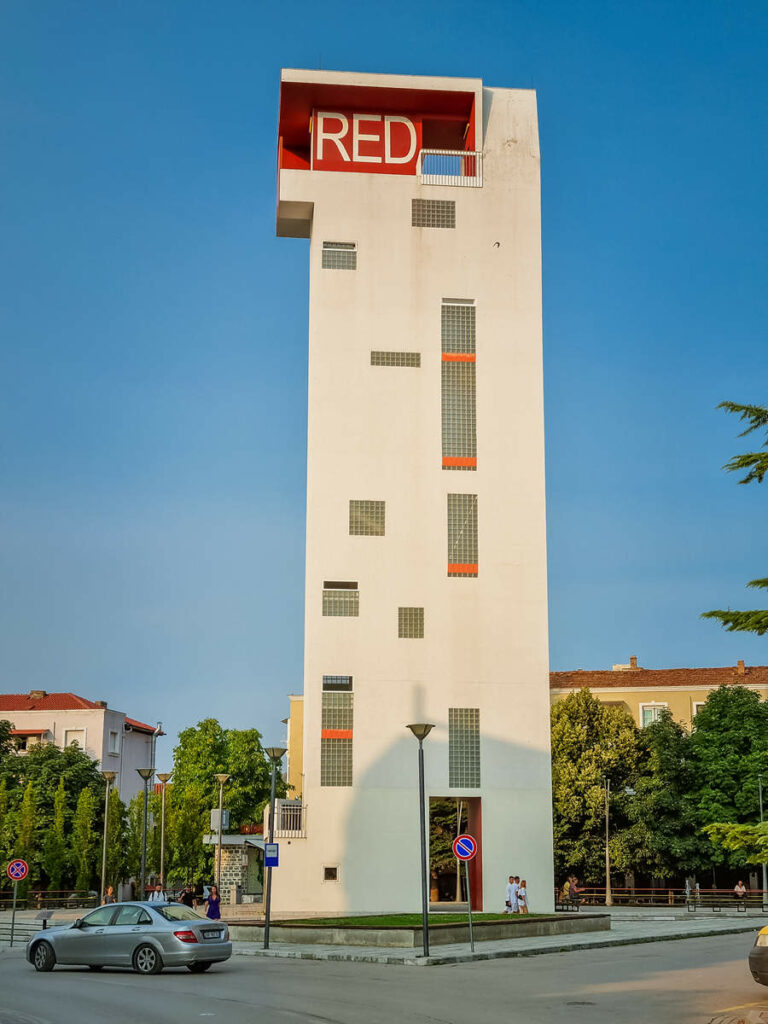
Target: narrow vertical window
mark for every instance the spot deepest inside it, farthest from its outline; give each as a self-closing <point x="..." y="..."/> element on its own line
<point x="464" y="747"/>
<point x="336" y="738"/>
<point x="458" y="391"/>
<point x="462" y="535"/>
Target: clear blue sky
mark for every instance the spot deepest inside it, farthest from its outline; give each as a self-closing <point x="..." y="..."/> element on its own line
<point x="153" y="330"/>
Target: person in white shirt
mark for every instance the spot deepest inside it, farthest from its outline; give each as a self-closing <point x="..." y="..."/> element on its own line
<point x="510" y="897"/>
<point x="158" y="895"/>
<point x="522" y="897"/>
<point x="515" y="892"/>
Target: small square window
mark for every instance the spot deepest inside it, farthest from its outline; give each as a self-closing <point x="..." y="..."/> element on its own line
<point x="339" y="256"/>
<point x="410" y="623"/>
<point x="366" y="518"/>
<point x="114" y="743"/>
<point x="650" y="713"/>
<point x="330" y="874"/>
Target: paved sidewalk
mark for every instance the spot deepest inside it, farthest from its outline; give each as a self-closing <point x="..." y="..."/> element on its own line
<point x="622" y="933"/>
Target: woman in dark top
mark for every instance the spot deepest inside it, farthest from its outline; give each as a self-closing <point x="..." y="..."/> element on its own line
<point x="212" y="904"/>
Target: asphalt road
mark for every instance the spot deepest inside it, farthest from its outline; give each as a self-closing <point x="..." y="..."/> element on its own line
<point x="697" y="980"/>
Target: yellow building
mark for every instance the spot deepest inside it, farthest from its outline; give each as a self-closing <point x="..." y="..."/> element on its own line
<point x="644" y="692"/>
<point x="295" y="736"/>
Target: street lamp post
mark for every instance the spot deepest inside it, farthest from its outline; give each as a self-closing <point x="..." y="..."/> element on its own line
<point x="760" y="790"/>
<point x="221" y="778"/>
<point x="163" y="777"/>
<point x="608" y="895"/>
<point x="421" y="730"/>
<point x="109" y="778"/>
<point x="275" y="754"/>
<point x="146" y="774"/>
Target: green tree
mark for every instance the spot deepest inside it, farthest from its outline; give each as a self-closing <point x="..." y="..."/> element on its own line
<point x="27" y="827"/>
<point x="756" y="466"/>
<point x="84" y="839"/>
<point x="663" y="836"/>
<point x="5" y="821"/>
<point x="116" y="839"/>
<point x="134" y="835"/>
<point x="6" y="740"/>
<point x="55" y="847"/>
<point x="590" y="740"/>
<point x="748" y="842"/>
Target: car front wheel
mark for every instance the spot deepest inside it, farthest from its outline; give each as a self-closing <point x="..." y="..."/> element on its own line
<point x="146" y="960"/>
<point x="200" y="966"/>
<point x="43" y="957"/>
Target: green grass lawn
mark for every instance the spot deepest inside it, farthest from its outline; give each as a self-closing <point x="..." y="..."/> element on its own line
<point x="405" y="920"/>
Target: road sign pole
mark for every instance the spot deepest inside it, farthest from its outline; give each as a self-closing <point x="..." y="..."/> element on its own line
<point x="13" y="915"/>
<point x="469" y="907"/>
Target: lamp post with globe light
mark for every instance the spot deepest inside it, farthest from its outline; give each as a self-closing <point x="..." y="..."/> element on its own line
<point x="163" y="777"/>
<point x="146" y="774"/>
<point x="221" y="778"/>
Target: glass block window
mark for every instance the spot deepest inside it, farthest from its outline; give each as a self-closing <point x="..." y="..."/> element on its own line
<point x="337" y="682"/>
<point x="339" y="256"/>
<point x="410" y="623"/>
<point x="459" y="415"/>
<point x="462" y="535"/>
<point x="335" y="762"/>
<point x="341" y="598"/>
<point x="457" y="326"/>
<point x="336" y="740"/>
<point x="366" y="518"/>
<point x="464" y="747"/>
<point x="433" y="213"/>
<point x="395" y="358"/>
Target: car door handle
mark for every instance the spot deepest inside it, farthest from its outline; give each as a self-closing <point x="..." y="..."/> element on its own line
<point x="98" y="931"/>
<point x="137" y="928"/>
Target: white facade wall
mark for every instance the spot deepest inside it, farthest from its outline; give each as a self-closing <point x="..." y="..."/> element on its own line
<point x="375" y="433"/>
<point x="95" y="725"/>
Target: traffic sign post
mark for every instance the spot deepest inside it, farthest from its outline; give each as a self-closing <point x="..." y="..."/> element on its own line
<point x="465" y="849"/>
<point x="271" y="855"/>
<point x="17" y="871"/>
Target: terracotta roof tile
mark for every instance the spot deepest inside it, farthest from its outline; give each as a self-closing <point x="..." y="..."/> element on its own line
<point x="664" y="678"/>
<point x="50" y="702"/>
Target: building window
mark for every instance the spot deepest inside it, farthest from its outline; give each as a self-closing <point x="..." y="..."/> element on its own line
<point x="114" y="743"/>
<point x="76" y="736"/>
<point x="697" y="706"/>
<point x="336" y="739"/>
<point x="462" y="535"/>
<point x="433" y="213"/>
<point x="337" y="682"/>
<point x="395" y="358"/>
<point x="457" y="326"/>
<point x="650" y="713"/>
<point x="339" y="256"/>
<point x="366" y="518"/>
<point x="410" y="623"/>
<point x="331" y="874"/>
<point x="464" y="747"/>
<point x="21" y="742"/>
<point x="341" y="598"/>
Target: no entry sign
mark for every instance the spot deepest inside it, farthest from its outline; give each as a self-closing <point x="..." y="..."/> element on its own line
<point x="18" y="870"/>
<point x="464" y="847"/>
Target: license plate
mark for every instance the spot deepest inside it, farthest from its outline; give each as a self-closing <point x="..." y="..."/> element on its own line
<point x="212" y="933"/>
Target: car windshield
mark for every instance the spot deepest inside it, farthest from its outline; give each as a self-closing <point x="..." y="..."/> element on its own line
<point x="178" y="912"/>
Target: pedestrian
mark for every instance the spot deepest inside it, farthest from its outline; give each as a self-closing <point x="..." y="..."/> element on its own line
<point x="509" y="895"/>
<point x="213" y="904"/>
<point x="575" y="890"/>
<point x="522" y="897"/>
<point x="740" y="890"/>
<point x="515" y="889"/>
<point x="565" y="895"/>
<point x="158" y="895"/>
<point x="109" y="896"/>
<point x="187" y="896"/>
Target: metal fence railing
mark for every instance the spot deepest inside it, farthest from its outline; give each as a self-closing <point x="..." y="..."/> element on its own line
<point x="47" y="899"/>
<point x="450" y="167"/>
<point x="692" y="899"/>
<point x="290" y="819"/>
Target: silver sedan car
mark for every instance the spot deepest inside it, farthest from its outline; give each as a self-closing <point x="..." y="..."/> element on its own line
<point x="144" y="936"/>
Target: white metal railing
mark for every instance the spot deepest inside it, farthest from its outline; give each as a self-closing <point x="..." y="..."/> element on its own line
<point x="290" y="819"/>
<point x="450" y="167"/>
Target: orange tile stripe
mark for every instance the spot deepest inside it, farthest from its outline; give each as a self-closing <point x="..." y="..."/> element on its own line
<point x="459" y="357"/>
<point x="336" y="734"/>
<point x="456" y="460"/>
<point x="457" y="567"/>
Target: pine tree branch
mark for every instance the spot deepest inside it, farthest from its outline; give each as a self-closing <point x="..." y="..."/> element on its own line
<point x="757" y="415"/>
<point x="741" y="622"/>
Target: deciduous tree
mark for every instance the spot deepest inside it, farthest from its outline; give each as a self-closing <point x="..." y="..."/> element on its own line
<point x="84" y="839"/>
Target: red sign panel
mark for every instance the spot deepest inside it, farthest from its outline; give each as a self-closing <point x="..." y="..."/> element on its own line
<point x="381" y="143"/>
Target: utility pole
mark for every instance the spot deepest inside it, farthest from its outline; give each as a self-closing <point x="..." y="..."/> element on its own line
<point x="163" y="777"/>
<point x="221" y="778"/>
<point x="760" y="790"/>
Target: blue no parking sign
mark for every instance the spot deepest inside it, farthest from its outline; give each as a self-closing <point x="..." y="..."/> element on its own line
<point x="18" y="870"/>
<point x="464" y="847"/>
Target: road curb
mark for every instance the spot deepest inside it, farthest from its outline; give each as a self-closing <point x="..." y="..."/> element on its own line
<point x="483" y="955"/>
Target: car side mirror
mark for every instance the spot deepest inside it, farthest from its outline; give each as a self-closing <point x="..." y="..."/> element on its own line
<point x="78" y="923"/>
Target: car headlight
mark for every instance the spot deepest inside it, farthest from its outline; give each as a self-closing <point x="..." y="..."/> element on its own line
<point x="761" y="940"/>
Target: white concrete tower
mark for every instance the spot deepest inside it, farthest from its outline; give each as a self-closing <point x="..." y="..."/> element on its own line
<point x="426" y="595"/>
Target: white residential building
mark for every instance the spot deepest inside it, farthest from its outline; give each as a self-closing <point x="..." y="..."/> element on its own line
<point x="119" y="743"/>
<point x="426" y="597"/>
